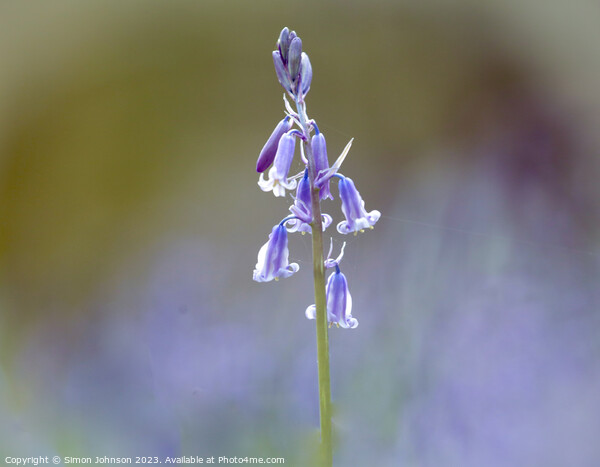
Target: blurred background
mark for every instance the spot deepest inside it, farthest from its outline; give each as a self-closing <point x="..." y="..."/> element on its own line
<point x="131" y="221"/>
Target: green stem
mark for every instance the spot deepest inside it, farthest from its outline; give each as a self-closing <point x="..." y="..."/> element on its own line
<point x="320" y="302"/>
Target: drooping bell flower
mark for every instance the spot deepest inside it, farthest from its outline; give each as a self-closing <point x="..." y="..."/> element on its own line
<point x="339" y="302"/>
<point x="278" y="174"/>
<point x="273" y="257"/>
<point x="267" y="155"/>
<point x="353" y="207"/>
<point x="319" y="150"/>
<point x="302" y="209"/>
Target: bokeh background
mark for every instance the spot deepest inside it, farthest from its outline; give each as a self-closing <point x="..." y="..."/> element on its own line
<point x="131" y="220"/>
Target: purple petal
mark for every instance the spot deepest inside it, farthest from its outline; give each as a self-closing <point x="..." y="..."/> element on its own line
<point x="319" y="149"/>
<point x="267" y="155"/>
<point x="294" y="58"/>
<point x="283" y="44"/>
<point x="282" y="74"/>
<point x="305" y="73"/>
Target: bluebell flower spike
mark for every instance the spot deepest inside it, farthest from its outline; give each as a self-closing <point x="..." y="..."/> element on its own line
<point x="273" y="257"/>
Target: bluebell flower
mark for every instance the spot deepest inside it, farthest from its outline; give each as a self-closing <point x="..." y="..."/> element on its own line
<point x="319" y="150"/>
<point x="267" y="155"/>
<point x="353" y="207"/>
<point x="273" y="257"/>
<point x="302" y="209"/>
<point x="278" y="174"/>
<point x="339" y="302"/>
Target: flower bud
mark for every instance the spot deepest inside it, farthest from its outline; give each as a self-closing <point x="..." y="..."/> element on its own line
<point x="283" y="43"/>
<point x="294" y="57"/>
<point x="282" y="74"/>
<point x="267" y="155"/>
<point x="305" y="73"/>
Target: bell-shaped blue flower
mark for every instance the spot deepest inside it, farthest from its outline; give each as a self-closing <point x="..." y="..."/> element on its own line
<point x="339" y="302"/>
<point x="302" y="209"/>
<point x="278" y="174"/>
<point x="353" y="207"/>
<point x="273" y="257"/>
<point x="269" y="150"/>
<point x="319" y="150"/>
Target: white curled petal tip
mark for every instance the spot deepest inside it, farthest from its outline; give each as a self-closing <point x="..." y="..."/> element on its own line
<point x="311" y="312"/>
<point x="265" y="185"/>
<point x="259" y="276"/>
<point x="304" y="159"/>
<point x="327" y="220"/>
<point x="292" y="225"/>
<point x="343" y="228"/>
<point x="278" y="190"/>
<point x="289" y="184"/>
<point x="288" y="271"/>
<point x="373" y="217"/>
<point x="347" y="320"/>
<point x="351" y="323"/>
